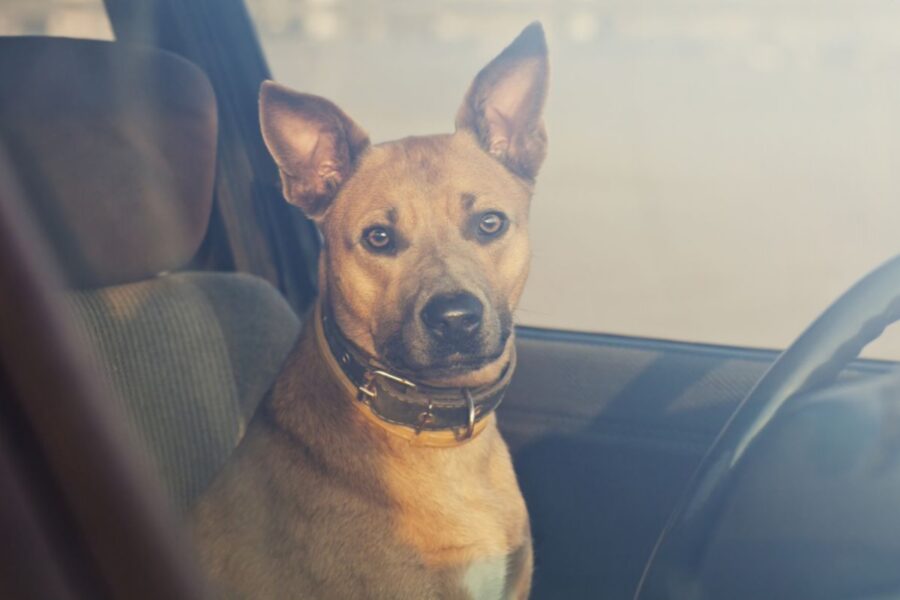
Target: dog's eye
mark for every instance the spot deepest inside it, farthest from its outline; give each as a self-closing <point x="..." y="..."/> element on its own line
<point x="492" y="224"/>
<point x="378" y="239"/>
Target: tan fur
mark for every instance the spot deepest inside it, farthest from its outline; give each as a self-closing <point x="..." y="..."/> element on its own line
<point x="425" y="180"/>
<point x="319" y="501"/>
<point x="319" y="504"/>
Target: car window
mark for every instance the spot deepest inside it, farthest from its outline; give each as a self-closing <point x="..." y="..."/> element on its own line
<point x="718" y="171"/>
<point x="62" y="18"/>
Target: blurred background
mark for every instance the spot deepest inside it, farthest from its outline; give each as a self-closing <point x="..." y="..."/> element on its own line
<point x="719" y="170"/>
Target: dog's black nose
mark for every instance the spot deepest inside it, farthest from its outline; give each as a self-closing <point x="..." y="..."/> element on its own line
<point x="453" y="318"/>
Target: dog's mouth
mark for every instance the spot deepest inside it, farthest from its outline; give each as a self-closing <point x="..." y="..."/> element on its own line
<point x="454" y="366"/>
<point x="397" y="357"/>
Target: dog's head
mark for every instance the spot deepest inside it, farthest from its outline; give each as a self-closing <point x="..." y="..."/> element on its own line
<point x="425" y="239"/>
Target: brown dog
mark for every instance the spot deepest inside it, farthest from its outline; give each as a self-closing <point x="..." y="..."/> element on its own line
<point x="376" y="470"/>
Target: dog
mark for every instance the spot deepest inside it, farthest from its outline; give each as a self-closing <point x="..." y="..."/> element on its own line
<point x="374" y="468"/>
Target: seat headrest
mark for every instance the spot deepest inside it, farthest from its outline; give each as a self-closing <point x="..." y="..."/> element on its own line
<point x="115" y="147"/>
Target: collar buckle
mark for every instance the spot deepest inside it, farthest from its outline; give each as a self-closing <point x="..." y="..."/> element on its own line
<point x="367" y="389"/>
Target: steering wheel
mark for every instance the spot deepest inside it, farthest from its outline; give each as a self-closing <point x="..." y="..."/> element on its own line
<point x="813" y="361"/>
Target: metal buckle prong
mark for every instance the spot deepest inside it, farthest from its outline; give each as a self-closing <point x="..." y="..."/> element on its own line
<point x="367" y="389"/>
<point x="394" y="378"/>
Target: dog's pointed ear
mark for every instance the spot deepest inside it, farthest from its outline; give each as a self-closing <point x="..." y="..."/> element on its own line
<point x="313" y="142"/>
<point x="504" y="105"/>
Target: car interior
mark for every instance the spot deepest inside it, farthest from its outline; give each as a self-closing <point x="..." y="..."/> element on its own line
<point x="152" y="282"/>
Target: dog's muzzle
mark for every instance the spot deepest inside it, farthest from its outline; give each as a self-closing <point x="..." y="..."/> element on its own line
<point x="423" y="414"/>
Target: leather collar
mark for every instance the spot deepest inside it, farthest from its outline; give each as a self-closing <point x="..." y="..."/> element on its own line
<point x="420" y="413"/>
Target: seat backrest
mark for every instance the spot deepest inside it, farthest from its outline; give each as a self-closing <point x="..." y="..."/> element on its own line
<point x="115" y="147"/>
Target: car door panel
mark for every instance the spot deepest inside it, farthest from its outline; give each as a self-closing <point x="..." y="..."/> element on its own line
<point x="605" y="432"/>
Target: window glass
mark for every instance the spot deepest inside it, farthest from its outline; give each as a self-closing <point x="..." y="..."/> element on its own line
<point x="63" y="18"/>
<point x="719" y="171"/>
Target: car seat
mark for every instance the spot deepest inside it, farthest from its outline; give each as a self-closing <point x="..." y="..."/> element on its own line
<point x="115" y="147"/>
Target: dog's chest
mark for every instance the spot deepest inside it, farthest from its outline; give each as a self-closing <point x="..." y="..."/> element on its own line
<point x="465" y="517"/>
<point x="485" y="579"/>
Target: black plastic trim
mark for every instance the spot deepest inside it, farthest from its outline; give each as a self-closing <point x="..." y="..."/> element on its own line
<point x="762" y="355"/>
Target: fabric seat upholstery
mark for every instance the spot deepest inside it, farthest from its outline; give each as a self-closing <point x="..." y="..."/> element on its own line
<point x="115" y="147"/>
<point x="191" y="354"/>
